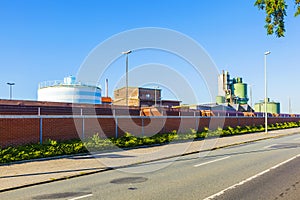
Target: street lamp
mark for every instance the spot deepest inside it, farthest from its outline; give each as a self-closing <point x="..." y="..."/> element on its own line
<point x="126" y="52"/>
<point x="10" y="89"/>
<point x="266" y="94"/>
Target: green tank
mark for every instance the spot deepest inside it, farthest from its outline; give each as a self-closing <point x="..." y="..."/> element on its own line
<point x="220" y="99"/>
<point x="272" y="107"/>
<point x="240" y="92"/>
<point x="257" y="107"/>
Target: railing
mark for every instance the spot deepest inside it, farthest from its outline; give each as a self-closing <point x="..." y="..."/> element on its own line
<point x="24" y="129"/>
<point x="62" y="83"/>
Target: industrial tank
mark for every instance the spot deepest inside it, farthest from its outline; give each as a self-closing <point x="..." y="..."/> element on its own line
<point x="220" y="99"/>
<point x="240" y="91"/>
<point x="272" y="107"/>
<point x="69" y="90"/>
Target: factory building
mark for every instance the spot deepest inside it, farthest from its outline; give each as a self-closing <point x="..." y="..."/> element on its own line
<point x="69" y="91"/>
<point x="142" y="97"/>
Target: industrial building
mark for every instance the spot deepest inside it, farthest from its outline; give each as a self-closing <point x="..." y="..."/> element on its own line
<point x="233" y="92"/>
<point x="142" y="97"/>
<point x="232" y="96"/>
<point x="69" y="91"/>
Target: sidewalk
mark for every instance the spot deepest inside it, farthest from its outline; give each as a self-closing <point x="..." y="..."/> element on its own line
<point x="47" y="170"/>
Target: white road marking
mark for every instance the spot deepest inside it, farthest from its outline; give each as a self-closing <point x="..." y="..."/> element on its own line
<point x="81" y="197"/>
<point x="266" y="147"/>
<point x="251" y="178"/>
<point x="211" y="161"/>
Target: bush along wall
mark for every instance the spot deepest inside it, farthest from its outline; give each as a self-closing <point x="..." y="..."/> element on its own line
<point x="53" y="148"/>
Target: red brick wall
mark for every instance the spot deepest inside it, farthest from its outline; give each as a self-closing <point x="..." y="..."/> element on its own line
<point x="23" y="131"/>
<point x="60" y="129"/>
<point x="18" y="131"/>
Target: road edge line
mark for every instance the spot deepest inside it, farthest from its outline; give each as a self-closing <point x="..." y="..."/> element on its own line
<point x="250" y="178"/>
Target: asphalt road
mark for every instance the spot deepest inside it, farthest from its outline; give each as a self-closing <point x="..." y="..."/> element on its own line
<point x="280" y="183"/>
<point x="258" y="170"/>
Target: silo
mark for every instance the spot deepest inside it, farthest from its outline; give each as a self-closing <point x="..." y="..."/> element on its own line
<point x="272" y="107"/>
<point x="220" y="99"/>
<point x="258" y="107"/>
<point x="240" y="92"/>
<point x="70" y="91"/>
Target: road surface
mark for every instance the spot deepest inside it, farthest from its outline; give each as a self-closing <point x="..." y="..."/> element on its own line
<point x="259" y="170"/>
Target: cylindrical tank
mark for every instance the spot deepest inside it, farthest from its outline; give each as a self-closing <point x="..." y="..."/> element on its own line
<point x="240" y="91"/>
<point x="272" y="107"/>
<point x="257" y="107"/>
<point x="69" y="91"/>
<point x="220" y="99"/>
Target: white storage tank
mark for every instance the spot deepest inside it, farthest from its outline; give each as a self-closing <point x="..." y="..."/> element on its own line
<point x="70" y="91"/>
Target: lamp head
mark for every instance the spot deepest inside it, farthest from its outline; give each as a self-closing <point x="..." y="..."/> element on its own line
<point x="126" y="52"/>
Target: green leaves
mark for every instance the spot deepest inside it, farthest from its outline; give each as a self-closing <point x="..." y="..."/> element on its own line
<point x="297" y="4"/>
<point x="48" y="149"/>
<point x="275" y="15"/>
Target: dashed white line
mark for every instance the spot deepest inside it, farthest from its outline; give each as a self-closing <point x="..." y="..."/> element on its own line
<point x="211" y="161"/>
<point x="266" y="147"/>
<point x="251" y="178"/>
<point x="81" y="197"/>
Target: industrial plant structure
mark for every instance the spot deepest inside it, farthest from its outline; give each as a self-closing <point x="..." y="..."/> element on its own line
<point x="232" y="96"/>
<point x="232" y="91"/>
<point x="70" y="91"/>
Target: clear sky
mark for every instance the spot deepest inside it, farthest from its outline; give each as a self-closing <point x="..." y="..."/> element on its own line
<point x="44" y="40"/>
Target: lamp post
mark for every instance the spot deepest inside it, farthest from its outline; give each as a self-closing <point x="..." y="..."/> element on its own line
<point x="10" y="89"/>
<point x="126" y="53"/>
<point x="266" y="94"/>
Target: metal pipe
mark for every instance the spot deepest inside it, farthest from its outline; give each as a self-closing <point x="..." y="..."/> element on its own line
<point x="106" y="87"/>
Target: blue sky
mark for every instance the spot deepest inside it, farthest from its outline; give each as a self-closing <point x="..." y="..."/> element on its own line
<point x="47" y="40"/>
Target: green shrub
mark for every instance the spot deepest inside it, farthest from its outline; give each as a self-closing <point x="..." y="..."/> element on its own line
<point x="55" y="148"/>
